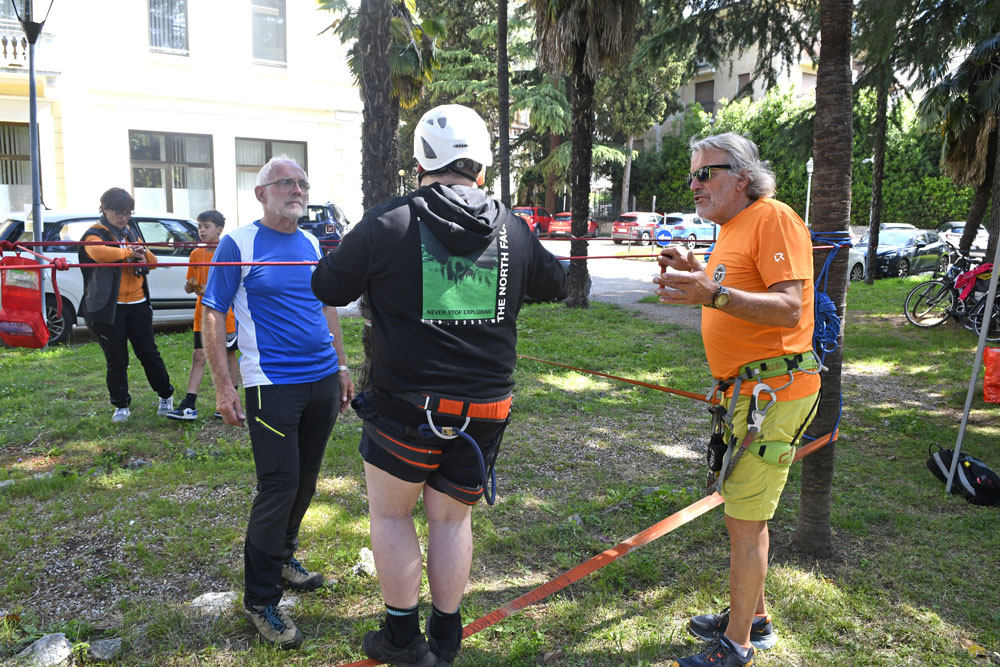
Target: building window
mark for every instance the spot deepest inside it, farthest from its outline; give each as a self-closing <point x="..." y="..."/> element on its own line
<point x="808" y="83"/>
<point x="704" y="94"/>
<point x="269" y="30"/>
<point x="168" y="26"/>
<point x="742" y="81"/>
<point x="15" y="167"/>
<point x="172" y="172"/>
<point x="251" y="155"/>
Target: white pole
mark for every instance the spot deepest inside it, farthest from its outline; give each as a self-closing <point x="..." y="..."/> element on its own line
<point x="987" y="320"/>
<point x="809" y="186"/>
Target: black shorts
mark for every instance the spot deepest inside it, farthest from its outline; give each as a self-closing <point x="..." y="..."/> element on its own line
<point x="449" y="466"/>
<point x="231" y="341"/>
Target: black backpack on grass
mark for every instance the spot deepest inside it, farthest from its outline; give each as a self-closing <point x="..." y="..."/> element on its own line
<point x="973" y="479"/>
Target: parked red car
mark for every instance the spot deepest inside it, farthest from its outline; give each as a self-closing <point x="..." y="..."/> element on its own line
<point x="635" y="226"/>
<point x="562" y="222"/>
<point x="538" y="218"/>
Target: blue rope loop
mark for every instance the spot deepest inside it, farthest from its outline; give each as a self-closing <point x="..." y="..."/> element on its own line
<point x="826" y="332"/>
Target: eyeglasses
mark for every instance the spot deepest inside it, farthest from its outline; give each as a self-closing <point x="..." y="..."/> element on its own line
<point x="289" y="183"/>
<point x="705" y="173"/>
<point x="124" y="214"/>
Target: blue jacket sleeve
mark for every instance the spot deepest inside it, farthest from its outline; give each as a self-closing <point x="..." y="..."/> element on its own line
<point x="223" y="281"/>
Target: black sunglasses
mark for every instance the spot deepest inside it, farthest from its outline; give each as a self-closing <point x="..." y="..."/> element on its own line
<point x="705" y="173"/>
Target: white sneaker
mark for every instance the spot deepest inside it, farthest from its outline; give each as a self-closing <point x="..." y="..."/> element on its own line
<point x="121" y="414"/>
<point x="166" y="405"/>
<point x="183" y="414"/>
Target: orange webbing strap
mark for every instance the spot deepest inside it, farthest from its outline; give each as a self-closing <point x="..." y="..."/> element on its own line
<point x="678" y="392"/>
<point x="496" y="411"/>
<point x="657" y="530"/>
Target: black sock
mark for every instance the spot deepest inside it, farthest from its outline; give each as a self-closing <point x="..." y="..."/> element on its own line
<point x="445" y="626"/>
<point x="403" y="624"/>
<point x="189" y="401"/>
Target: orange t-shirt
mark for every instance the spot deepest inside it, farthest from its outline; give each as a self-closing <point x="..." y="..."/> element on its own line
<point x="200" y="275"/>
<point x="130" y="285"/>
<point x="766" y="243"/>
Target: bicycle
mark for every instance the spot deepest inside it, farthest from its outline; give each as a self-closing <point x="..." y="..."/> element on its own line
<point x="960" y="293"/>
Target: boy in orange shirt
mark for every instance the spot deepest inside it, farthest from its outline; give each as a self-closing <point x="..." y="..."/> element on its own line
<point x="210" y="225"/>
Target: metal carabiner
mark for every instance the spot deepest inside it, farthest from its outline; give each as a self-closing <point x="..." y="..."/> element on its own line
<point x="755" y="416"/>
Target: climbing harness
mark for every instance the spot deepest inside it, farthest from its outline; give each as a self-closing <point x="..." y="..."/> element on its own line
<point x="723" y="454"/>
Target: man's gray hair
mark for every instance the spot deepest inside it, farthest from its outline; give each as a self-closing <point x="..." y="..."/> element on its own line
<point x="744" y="158"/>
<point x="264" y="175"/>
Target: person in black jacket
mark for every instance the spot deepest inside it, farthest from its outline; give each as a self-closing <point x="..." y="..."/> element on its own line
<point x="446" y="270"/>
<point x="116" y="303"/>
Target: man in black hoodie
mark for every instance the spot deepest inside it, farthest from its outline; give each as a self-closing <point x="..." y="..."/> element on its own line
<point x="446" y="270"/>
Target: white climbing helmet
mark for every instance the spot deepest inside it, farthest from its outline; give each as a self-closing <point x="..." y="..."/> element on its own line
<point x="448" y="133"/>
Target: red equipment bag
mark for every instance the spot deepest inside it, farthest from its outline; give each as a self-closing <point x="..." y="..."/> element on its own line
<point x="22" y="323"/>
<point x="991" y="379"/>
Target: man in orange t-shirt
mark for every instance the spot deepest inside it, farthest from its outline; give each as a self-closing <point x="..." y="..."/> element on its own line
<point x="757" y="290"/>
<point x="210" y="226"/>
<point x="116" y="302"/>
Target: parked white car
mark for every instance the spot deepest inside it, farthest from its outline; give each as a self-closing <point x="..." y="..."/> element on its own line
<point x="952" y="232"/>
<point x="166" y="284"/>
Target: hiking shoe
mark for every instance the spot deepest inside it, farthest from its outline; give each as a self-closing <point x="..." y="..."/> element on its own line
<point x="273" y="625"/>
<point x="709" y="627"/>
<point x="444" y="650"/>
<point x="183" y="414"/>
<point x="166" y="405"/>
<point x="298" y="578"/>
<point x="717" y="653"/>
<point x="218" y="415"/>
<point x="417" y="653"/>
<point x="121" y="414"/>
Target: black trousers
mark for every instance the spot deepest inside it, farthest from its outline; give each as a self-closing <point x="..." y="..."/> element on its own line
<point x="133" y="324"/>
<point x="289" y="427"/>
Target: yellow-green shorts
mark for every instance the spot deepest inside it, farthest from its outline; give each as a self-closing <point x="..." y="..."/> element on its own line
<point x="753" y="489"/>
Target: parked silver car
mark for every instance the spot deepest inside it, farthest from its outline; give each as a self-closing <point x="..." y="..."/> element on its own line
<point x="166" y="284"/>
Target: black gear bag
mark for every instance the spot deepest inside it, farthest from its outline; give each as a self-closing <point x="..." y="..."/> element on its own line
<point x="974" y="480"/>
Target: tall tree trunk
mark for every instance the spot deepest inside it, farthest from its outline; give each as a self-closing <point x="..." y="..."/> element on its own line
<point x="380" y="121"/>
<point x="981" y="198"/>
<point x="628" y="172"/>
<point x="994" y="224"/>
<point x="878" y="171"/>
<point x="832" y="139"/>
<point x="503" y="102"/>
<point x="579" y="169"/>
<point x="550" y="178"/>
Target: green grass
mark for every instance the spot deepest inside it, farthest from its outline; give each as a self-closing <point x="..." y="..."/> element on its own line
<point x="102" y="549"/>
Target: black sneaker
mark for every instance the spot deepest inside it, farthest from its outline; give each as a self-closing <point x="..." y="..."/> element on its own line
<point x="717" y="653"/>
<point x="415" y="654"/>
<point x="274" y="626"/>
<point x="298" y="578"/>
<point x="709" y="627"/>
<point x="444" y="649"/>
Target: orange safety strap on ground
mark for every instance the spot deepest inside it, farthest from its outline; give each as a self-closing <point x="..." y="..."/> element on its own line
<point x="656" y="531"/>
<point x="678" y="392"/>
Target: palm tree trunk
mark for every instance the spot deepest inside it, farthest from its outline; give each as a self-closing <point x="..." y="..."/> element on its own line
<point x="878" y="171"/>
<point x="832" y="138"/>
<point x="628" y="172"/>
<point x="579" y="169"/>
<point x="550" y="178"/>
<point x="981" y="198"/>
<point x="380" y="121"/>
<point x="994" y="225"/>
<point x="503" y="102"/>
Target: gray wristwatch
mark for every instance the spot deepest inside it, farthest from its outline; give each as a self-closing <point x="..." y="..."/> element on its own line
<point x="720" y="299"/>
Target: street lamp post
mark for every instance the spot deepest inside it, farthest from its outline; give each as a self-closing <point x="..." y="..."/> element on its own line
<point x="32" y="30"/>
<point x="809" y="185"/>
<point x="402" y="175"/>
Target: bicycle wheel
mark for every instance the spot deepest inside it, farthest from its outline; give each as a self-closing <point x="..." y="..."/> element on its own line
<point x="976" y="320"/>
<point x="929" y="303"/>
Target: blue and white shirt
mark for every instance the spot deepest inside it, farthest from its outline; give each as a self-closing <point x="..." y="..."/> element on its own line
<point x="284" y="337"/>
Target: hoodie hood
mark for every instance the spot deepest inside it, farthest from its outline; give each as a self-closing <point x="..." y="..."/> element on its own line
<point x="463" y="218"/>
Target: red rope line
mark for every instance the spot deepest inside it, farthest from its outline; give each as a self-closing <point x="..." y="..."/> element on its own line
<point x="654" y="532"/>
<point x="678" y="392"/>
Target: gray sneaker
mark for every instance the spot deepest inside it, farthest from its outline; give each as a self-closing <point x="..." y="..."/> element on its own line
<point x="274" y="626"/>
<point x="121" y="414"/>
<point x="166" y="405"/>
<point x="298" y="578"/>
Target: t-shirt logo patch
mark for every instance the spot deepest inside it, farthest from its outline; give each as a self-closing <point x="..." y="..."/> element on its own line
<point x="779" y="257"/>
<point x="720" y="273"/>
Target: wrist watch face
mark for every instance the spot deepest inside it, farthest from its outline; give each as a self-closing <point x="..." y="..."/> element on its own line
<point x="722" y="298"/>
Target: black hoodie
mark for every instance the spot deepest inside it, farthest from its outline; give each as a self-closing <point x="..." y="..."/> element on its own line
<point x="446" y="269"/>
